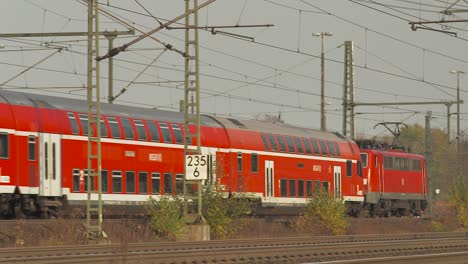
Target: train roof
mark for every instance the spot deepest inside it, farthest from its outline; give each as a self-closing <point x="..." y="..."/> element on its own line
<point x="76" y="105"/>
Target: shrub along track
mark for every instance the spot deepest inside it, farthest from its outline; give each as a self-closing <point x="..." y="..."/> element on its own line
<point x="280" y="250"/>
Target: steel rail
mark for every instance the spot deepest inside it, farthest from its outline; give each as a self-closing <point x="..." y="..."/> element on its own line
<point x="258" y="254"/>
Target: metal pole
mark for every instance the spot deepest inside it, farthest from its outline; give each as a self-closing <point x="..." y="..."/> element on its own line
<point x="448" y="121"/>
<point x="322" y="89"/>
<point x="458" y="126"/>
<point x="428" y="156"/>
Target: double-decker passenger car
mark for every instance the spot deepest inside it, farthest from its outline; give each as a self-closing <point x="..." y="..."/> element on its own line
<point x="43" y="156"/>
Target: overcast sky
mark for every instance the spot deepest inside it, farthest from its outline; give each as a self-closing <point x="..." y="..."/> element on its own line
<point x="270" y="71"/>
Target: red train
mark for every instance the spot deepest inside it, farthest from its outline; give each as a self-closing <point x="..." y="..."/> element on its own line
<point x="43" y="148"/>
<point x="395" y="182"/>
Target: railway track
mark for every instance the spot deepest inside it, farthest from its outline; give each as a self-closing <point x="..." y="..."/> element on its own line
<point x="282" y="250"/>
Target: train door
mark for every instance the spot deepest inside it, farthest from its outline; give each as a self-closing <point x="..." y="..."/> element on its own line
<point x="49" y="166"/>
<point x="269" y="179"/>
<point x="337" y="182"/>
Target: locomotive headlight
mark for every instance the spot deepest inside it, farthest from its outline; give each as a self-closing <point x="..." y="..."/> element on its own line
<point x="437" y="191"/>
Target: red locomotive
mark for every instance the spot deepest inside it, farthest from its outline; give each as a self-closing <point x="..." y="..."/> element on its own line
<point x="43" y="157"/>
<point x="395" y="182"/>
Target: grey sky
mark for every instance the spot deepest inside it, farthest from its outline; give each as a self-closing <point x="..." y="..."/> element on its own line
<point x="278" y="72"/>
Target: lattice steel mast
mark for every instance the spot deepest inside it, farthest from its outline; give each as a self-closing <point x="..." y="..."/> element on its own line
<point x="192" y="99"/>
<point x="93" y="206"/>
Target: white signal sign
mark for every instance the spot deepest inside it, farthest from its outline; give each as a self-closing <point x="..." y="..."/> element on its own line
<point x="196" y="167"/>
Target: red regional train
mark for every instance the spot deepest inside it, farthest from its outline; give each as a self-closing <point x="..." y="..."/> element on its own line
<point x="43" y="157"/>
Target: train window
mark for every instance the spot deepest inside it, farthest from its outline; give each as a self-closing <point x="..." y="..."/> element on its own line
<point x="54" y="162"/>
<point x="337" y="149"/>
<point x="116" y="181"/>
<point x="309" y="188"/>
<point x="331" y="148"/>
<point x="315" y="146"/>
<point x="388" y="162"/>
<point x="86" y="175"/>
<point x="103" y="128"/>
<point x="317" y="186"/>
<point x="282" y="145"/>
<point x="128" y="130"/>
<point x="84" y="123"/>
<point x="299" y="145"/>
<point x="349" y="168"/>
<point x="105" y="181"/>
<point x="300" y="188"/>
<point x="74" y="124"/>
<point x="114" y="127"/>
<point x="325" y="185"/>
<point x="76" y="180"/>
<point x="292" y="188"/>
<point x="307" y="146"/>
<point x="141" y="131"/>
<point x="142" y="182"/>
<point x="179" y="184"/>
<point x="290" y="144"/>
<point x="154" y="133"/>
<point x="46" y="160"/>
<point x="323" y="147"/>
<point x="155" y="182"/>
<point x="32" y="148"/>
<point x="416" y="165"/>
<point x="177" y="133"/>
<point x="272" y="142"/>
<point x="265" y="142"/>
<point x="254" y="162"/>
<point x="364" y="160"/>
<point x="359" y="169"/>
<point x="239" y="161"/>
<point x="167" y="183"/>
<point x="130" y="182"/>
<point x="166" y="133"/>
<point x="284" y="187"/>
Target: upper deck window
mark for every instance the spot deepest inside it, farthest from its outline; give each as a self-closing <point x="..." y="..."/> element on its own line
<point x="4" y="146"/>
<point x="265" y="141"/>
<point x="167" y="138"/>
<point x="128" y="130"/>
<point x="272" y="142"/>
<point x="281" y="143"/>
<point x="331" y="148"/>
<point x="154" y="133"/>
<point x="307" y="146"/>
<point x="323" y="147"/>
<point x="141" y="131"/>
<point x="315" y="145"/>
<point x="177" y="133"/>
<point x="114" y="127"/>
<point x="74" y="124"/>
<point x="337" y="149"/>
<point x="299" y="145"/>
<point x="84" y="123"/>
<point x="290" y="144"/>
<point x="103" y="128"/>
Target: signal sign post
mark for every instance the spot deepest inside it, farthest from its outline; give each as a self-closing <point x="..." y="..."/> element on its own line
<point x="196" y="167"/>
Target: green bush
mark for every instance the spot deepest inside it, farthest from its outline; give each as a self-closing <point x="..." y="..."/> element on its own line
<point x="221" y="212"/>
<point x="167" y="219"/>
<point x="459" y="201"/>
<point x="325" y="211"/>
